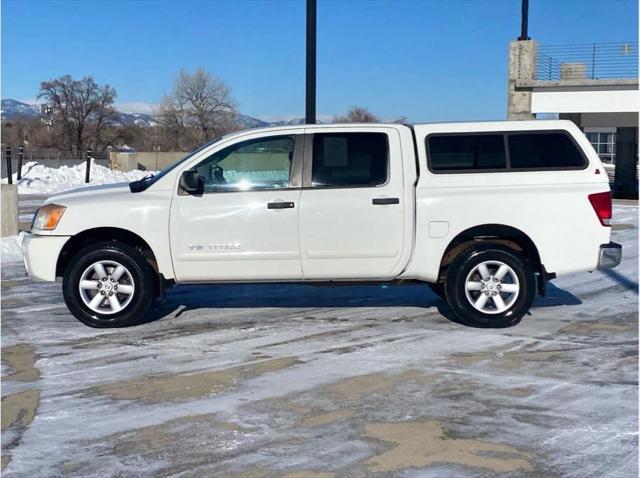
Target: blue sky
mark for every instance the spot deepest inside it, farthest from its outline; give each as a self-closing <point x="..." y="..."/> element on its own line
<point x="429" y="60"/>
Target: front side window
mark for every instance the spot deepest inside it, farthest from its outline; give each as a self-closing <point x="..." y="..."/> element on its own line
<point x="263" y="163"/>
<point x="544" y="150"/>
<point x="454" y="152"/>
<point x="350" y="159"/>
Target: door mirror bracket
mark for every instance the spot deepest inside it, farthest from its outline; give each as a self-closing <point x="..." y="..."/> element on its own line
<point x="191" y="183"/>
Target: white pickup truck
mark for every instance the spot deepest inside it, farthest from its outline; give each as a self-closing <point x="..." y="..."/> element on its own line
<point x="485" y="213"/>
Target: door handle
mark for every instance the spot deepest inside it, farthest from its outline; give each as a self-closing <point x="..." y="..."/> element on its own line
<point x="381" y="201"/>
<point x="280" y="205"/>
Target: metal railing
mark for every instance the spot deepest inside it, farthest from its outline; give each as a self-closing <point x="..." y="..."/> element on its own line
<point x="57" y="155"/>
<point x="17" y="159"/>
<point x="587" y="61"/>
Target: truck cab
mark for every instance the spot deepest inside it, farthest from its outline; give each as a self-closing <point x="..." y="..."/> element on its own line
<point x="485" y="213"/>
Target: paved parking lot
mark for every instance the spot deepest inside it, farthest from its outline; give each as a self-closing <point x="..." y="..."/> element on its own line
<point x="303" y="381"/>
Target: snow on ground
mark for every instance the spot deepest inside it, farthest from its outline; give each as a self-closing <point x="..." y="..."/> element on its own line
<point x="40" y="179"/>
<point x="12" y="248"/>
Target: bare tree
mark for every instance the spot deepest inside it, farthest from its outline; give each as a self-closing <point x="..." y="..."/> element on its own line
<point x="105" y="114"/>
<point x="76" y="103"/>
<point x="19" y="130"/>
<point x="199" y="107"/>
<point x="357" y="114"/>
<point x="174" y="120"/>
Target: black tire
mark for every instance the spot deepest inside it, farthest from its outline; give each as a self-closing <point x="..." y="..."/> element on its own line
<point x="437" y="289"/>
<point x="456" y="292"/>
<point x="143" y="276"/>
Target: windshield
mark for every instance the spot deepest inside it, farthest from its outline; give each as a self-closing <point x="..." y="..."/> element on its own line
<point x="150" y="179"/>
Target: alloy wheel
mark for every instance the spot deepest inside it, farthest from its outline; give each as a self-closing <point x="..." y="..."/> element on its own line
<point x="492" y="287"/>
<point x="106" y="287"/>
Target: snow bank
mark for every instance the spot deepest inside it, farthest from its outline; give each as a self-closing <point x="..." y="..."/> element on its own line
<point x="12" y="248"/>
<point x="40" y="179"/>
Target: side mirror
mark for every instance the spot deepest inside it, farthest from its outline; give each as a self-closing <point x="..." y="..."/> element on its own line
<point x="191" y="182"/>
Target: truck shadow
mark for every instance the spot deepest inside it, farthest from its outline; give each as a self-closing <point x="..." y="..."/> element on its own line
<point x="185" y="298"/>
<point x="556" y="296"/>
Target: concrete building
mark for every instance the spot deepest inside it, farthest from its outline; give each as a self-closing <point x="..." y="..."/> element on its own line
<point x="595" y="86"/>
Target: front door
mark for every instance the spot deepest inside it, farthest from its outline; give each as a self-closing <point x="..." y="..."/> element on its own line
<point x="352" y="211"/>
<point x="245" y="225"/>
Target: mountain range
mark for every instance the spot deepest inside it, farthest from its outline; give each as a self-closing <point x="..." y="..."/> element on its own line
<point x="13" y="109"/>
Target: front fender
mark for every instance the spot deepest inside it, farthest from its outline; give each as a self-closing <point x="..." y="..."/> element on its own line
<point x="144" y="214"/>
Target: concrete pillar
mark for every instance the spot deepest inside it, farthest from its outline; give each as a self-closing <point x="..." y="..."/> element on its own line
<point x="9" y="218"/>
<point x="522" y="66"/>
<point x="625" y="184"/>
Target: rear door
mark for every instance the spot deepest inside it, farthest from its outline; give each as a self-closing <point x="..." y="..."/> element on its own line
<point x="353" y="207"/>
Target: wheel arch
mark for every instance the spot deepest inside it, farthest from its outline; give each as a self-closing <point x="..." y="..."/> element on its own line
<point x="101" y="234"/>
<point x="508" y="236"/>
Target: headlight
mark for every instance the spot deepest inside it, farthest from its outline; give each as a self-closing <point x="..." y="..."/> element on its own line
<point x="48" y="217"/>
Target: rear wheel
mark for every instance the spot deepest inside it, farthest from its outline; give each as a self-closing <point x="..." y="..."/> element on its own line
<point x="490" y="286"/>
<point x="109" y="284"/>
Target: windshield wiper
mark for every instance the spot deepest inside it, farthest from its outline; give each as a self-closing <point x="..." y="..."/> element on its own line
<point x="141" y="184"/>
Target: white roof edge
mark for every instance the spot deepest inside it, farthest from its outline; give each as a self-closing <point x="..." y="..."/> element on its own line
<point x="319" y="125"/>
<point x="510" y="123"/>
<point x="497" y="122"/>
<point x="513" y="125"/>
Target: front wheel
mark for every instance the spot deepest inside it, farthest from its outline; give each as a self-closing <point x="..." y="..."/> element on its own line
<point x="109" y="284"/>
<point x="490" y="286"/>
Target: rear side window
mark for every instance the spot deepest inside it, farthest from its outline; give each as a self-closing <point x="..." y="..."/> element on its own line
<point x="453" y="152"/>
<point x="350" y="159"/>
<point x="544" y="151"/>
<point x="503" y="151"/>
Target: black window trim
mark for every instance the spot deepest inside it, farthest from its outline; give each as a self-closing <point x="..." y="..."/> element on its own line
<point x="508" y="168"/>
<point x="307" y="171"/>
<point x="295" y="173"/>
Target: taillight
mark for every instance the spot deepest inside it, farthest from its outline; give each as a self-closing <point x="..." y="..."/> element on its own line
<point x="601" y="203"/>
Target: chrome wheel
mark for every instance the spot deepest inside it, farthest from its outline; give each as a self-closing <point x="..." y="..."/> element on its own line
<point x="492" y="287"/>
<point x="106" y="287"/>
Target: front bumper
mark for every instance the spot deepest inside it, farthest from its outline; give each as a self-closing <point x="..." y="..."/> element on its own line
<point x="610" y="255"/>
<point x="41" y="255"/>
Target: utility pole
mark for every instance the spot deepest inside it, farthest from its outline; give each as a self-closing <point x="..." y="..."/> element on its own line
<point x="524" y="25"/>
<point x="310" y="105"/>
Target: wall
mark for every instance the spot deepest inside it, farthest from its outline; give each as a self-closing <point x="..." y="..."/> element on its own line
<point x="9" y="217"/>
<point x="146" y="161"/>
<point x="614" y="120"/>
<point x="586" y="101"/>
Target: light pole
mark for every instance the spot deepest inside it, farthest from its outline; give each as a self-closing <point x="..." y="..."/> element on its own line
<point x="310" y="105"/>
<point x="524" y="24"/>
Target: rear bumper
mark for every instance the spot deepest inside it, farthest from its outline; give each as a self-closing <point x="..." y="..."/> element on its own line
<point x="610" y="255"/>
<point x="41" y="255"/>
